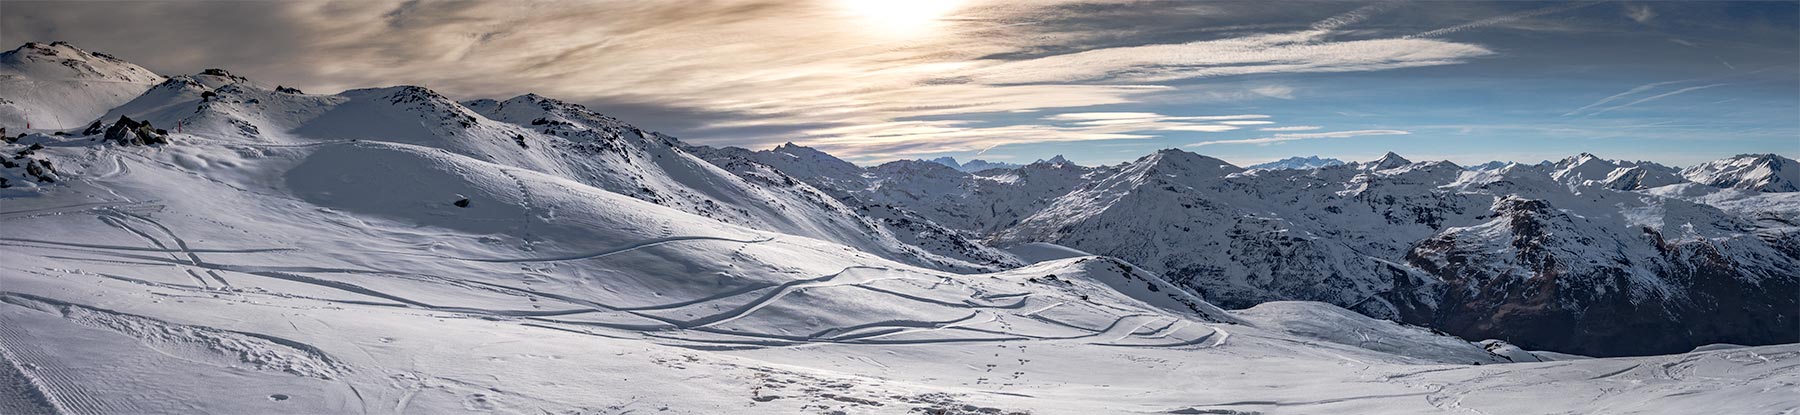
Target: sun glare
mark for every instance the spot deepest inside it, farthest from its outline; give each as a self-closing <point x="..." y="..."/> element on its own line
<point x="899" y="17"/>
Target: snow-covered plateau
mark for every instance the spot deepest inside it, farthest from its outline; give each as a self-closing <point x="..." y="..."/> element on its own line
<point x="214" y="244"/>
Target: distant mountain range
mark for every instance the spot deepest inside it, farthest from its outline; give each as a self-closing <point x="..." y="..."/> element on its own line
<point x="1310" y="162"/>
<point x="978" y="165"/>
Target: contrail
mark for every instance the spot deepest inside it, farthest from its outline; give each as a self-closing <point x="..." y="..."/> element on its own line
<point x="1498" y="20"/>
<point x="1656" y="97"/>
<point x="1615" y="97"/>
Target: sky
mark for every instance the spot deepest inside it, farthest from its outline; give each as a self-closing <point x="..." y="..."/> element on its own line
<point x="1100" y="82"/>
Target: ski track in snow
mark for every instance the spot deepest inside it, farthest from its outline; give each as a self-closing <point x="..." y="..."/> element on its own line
<point x="868" y="333"/>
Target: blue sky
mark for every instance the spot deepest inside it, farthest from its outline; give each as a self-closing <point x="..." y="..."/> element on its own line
<point x="1100" y="82"/>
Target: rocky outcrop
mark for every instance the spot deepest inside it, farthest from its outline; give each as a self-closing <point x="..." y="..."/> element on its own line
<point x="127" y="131"/>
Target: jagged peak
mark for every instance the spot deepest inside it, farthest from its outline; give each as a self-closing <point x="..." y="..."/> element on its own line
<point x="1390" y="160"/>
<point x="790" y="147"/>
<point x="1776" y="159"/>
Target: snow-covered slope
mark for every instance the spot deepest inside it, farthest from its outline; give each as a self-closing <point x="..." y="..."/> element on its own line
<point x="333" y="276"/>
<point x="534" y="133"/>
<point x="1755" y="172"/>
<point x="57" y="86"/>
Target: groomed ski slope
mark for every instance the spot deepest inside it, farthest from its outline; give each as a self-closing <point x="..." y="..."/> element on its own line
<point x="222" y="276"/>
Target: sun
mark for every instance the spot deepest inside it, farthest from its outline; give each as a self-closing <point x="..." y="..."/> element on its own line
<point x="899" y="17"/>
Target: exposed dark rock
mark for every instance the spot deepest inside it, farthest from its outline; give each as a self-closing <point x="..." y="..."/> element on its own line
<point x="462" y="203"/>
<point x="40" y="170"/>
<point x="126" y="131"/>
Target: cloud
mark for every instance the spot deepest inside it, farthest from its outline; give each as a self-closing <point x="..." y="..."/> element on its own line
<point x="759" y="72"/>
<point x="1085" y="116"/>
<point x="1274" y="91"/>
<point x="1302" y="136"/>
<point x="1640" y="13"/>
<point x="1291" y="128"/>
<point x="1258" y="54"/>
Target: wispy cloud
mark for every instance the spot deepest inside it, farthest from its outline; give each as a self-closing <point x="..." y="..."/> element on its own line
<point x="1640" y="13"/>
<point x="1259" y="54"/>
<point x="1291" y="128"/>
<point x="1090" y="116"/>
<point x="1302" y="136"/>
<point x="1274" y="91"/>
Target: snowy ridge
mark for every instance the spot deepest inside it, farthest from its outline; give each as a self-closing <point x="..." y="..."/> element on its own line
<point x="535" y="133"/>
<point x="57" y="85"/>
<point x="1298" y="163"/>
<point x="1755" y="172"/>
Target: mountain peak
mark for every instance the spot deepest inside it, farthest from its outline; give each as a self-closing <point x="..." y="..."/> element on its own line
<point x="1388" y="161"/>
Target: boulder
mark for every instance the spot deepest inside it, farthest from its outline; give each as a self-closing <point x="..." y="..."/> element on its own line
<point x="40" y="170"/>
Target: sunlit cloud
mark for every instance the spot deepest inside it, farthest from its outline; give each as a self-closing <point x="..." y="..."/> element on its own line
<point x="1259" y="54"/>
<point x="855" y="76"/>
<point x="1291" y="128"/>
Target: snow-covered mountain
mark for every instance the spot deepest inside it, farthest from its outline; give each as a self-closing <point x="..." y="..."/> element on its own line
<point x="973" y="165"/>
<point x="220" y="245"/>
<point x="57" y="85"/>
<point x="1392" y="238"/>
<point x="1754" y="172"/>
<point x="979" y="165"/>
<point x="1588" y="169"/>
<point x="539" y="134"/>
<point x="1492" y="165"/>
<point x="1298" y="163"/>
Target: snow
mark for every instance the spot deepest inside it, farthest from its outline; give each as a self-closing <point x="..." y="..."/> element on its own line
<point x="1298" y="163"/>
<point x="1755" y="172"/>
<point x="319" y="263"/>
<point x="1044" y="251"/>
<point x="57" y="86"/>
